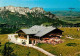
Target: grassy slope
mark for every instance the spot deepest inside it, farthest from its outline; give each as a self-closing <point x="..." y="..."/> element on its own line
<point x="23" y="51"/>
<point x="71" y="31"/>
<point x="63" y="48"/>
<point x="3" y="39"/>
<point x="70" y="20"/>
<point x="20" y="50"/>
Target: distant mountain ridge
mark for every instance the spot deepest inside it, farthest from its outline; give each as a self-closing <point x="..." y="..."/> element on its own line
<point x="22" y="10"/>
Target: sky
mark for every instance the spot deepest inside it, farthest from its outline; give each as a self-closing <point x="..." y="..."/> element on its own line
<point x="42" y="3"/>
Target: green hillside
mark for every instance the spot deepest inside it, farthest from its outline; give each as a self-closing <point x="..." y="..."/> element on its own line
<point x="11" y="22"/>
<point x="70" y="19"/>
<point x="67" y="16"/>
<point x="10" y="18"/>
<point x="66" y="13"/>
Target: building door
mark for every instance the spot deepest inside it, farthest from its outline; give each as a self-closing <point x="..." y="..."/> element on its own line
<point x="34" y="41"/>
<point x="30" y="42"/>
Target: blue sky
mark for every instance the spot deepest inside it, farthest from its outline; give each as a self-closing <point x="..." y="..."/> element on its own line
<point x="42" y="3"/>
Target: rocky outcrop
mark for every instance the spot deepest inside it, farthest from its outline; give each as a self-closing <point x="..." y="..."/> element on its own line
<point x="22" y="10"/>
<point x="38" y="9"/>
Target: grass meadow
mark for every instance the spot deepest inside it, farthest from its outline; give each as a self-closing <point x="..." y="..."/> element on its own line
<point x="63" y="49"/>
<point x="73" y="32"/>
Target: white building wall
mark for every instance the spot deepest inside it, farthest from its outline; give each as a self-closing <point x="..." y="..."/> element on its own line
<point x="27" y="39"/>
<point x="13" y="39"/>
<point x="19" y="40"/>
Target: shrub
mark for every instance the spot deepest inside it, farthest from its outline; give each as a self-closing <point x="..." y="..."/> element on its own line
<point x="7" y="50"/>
<point x="71" y="44"/>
